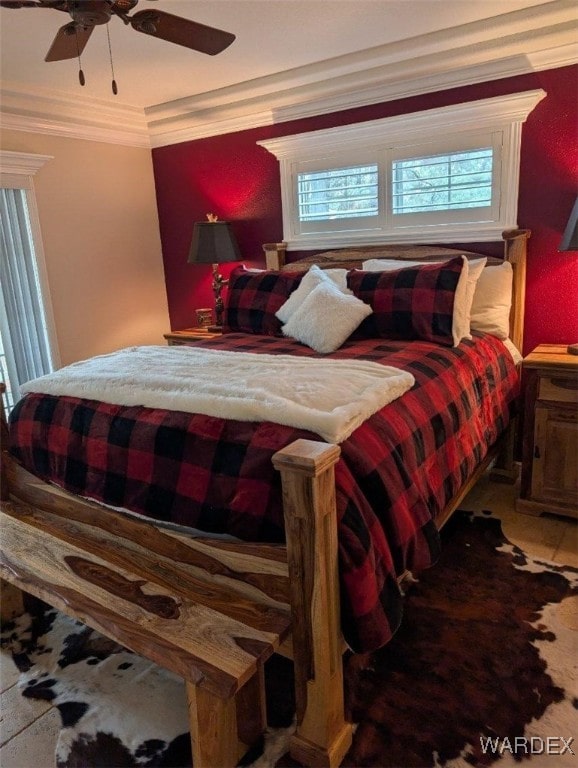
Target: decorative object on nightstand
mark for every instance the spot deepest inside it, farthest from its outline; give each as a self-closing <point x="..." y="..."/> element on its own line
<point x="214" y="243"/>
<point x="178" y="338"/>
<point x="550" y="438"/>
<point x="570" y="243"/>
<point x="204" y="317"/>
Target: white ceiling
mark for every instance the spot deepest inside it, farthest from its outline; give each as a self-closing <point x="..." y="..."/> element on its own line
<point x="272" y="36"/>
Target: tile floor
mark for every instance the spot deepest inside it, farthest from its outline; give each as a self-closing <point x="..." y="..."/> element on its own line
<point x="28" y="728"/>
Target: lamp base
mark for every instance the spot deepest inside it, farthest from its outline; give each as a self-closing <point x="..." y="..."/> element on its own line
<point x="572" y="349"/>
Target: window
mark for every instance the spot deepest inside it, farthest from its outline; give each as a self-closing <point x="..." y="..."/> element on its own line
<point x="338" y="193"/>
<point x="449" y="174"/>
<point x="27" y="347"/>
<point x="443" y="182"/>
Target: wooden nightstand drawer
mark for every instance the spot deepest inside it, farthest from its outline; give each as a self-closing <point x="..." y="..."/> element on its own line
<point x="559" y="389"/>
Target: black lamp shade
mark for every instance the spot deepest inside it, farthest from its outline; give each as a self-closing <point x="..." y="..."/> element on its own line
<point x="570" y="238"/>
<point x="213" y="243"/>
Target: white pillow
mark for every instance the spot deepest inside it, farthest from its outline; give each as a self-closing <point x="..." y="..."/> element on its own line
<point x="475" y="269"/>
<point x="326" y="318"/>
<point x="513" y="350"/>
<point x="464" y="295"/>
<point x="314" y="277"/>
<point x="492" y="302"/>
<point x="339" y="277"/>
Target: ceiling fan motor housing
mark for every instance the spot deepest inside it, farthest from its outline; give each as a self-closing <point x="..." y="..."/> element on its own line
<point x="89" y="13"/>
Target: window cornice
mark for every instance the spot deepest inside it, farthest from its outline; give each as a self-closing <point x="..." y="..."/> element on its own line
<point x="499" y="110"/>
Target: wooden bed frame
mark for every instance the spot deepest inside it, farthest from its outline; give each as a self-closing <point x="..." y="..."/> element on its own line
<point x="211" y="610"/>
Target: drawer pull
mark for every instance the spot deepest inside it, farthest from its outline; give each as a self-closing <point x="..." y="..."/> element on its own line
<point x="564" y="383"/>
<point x="536" y="451"/>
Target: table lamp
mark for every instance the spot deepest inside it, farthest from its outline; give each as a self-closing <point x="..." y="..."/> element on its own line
<point x="214" y="243"/>
<point x="570" y="243"/>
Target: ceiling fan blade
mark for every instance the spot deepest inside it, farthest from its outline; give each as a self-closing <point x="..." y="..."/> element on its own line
<point x="19" y="4"/>
<point x="69" y="42"/>
<point x="181" y="31"/>
<point x="57" y="5"/>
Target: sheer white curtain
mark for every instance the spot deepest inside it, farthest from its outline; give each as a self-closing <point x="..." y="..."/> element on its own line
<point x="26" y="348"/>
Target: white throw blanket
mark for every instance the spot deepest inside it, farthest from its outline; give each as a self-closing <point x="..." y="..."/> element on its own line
<point x="328" y="397"/>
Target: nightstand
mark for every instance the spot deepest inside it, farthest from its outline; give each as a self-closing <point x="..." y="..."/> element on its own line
<point x="550" y="437"/>
<point x="174" y="338"/>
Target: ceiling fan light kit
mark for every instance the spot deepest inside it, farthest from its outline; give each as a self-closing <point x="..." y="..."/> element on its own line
<point x="72" y="38"/>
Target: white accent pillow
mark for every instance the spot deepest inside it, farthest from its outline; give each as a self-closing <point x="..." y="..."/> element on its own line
<point x="464" y="294"/>
<point x="492" y="302"/>
<point x="339" y="277"/>
<point x="314" y="277"/>
<point x="514" y="351"/>
<point x="326" y="318"/>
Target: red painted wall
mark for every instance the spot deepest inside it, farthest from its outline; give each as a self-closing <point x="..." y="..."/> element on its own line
<point x="233" y="177"/>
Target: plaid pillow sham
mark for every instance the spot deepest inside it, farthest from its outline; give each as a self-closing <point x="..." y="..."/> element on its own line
<point x="409" y="303"/>
<point x="253" y="297"/>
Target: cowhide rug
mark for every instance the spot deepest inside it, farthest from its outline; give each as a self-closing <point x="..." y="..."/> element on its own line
<point x="482" y="671"/>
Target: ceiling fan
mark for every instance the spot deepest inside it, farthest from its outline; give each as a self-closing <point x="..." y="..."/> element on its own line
<point x="72" y="38"/>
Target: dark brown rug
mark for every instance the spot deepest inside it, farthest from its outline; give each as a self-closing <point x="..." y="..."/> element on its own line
<point x="482" y="670"/>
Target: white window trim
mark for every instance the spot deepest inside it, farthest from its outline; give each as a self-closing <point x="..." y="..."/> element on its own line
<point x="17" y="171"/>
<point x="503" y="115"/>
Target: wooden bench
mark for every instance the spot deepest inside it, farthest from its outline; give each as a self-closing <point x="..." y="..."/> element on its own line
<point x="211" y="612"/>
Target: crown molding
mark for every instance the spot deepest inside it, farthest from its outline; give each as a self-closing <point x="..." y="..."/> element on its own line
<point x="533" y="39"/>
<point x="421" y="76"/>
<point x="520" y="42"/>
<point x="22" y="163"/>
<point x="40" y="110"/>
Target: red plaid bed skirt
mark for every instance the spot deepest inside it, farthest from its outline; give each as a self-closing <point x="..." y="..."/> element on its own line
<point x="396" y="472"/>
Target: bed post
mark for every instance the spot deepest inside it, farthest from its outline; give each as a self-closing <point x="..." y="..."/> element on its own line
<point x="505" y="470"/>
<point x="275" y="255"/>
<point x="515" y="248"/>
<point x="307" y="471"/>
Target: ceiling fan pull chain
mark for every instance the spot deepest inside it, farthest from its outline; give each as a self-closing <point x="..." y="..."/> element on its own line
<point x="80" y="72"/>
<point x="114" y="86"/>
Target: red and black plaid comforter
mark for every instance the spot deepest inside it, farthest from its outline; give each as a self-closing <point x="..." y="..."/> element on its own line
<point x="396" y="471"/>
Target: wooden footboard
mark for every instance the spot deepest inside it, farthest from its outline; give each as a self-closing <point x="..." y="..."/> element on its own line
<point x="300" y="578"/>
<point x="64" y="550"/>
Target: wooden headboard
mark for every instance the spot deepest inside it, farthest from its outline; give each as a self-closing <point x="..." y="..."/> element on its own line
<point x="515" y="250"/>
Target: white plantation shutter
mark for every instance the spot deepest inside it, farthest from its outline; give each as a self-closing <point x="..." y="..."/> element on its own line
<point x="443" y="182"/>
<point x="339" y="193"/>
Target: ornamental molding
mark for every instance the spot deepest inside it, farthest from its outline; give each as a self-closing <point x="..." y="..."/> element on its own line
<point x="22" y="163"/>
<point x="467" y="116"/>
<point x="40" y="110"/>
